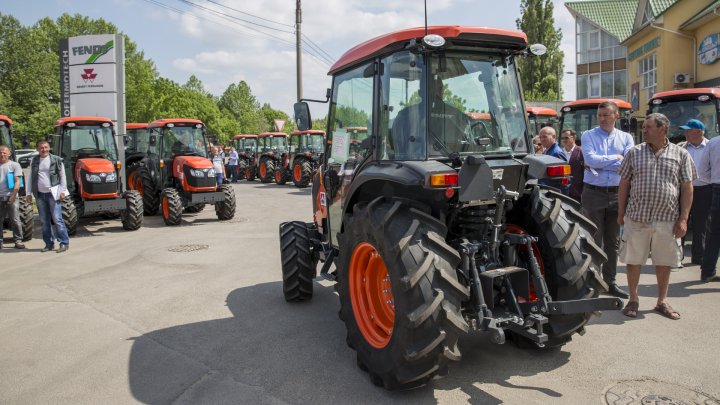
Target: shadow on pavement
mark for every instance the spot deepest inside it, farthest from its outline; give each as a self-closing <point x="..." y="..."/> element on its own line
<point x="270" y="351"/>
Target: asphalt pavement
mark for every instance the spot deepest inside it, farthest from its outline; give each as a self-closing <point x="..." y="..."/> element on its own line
<point x="195" y="314"/>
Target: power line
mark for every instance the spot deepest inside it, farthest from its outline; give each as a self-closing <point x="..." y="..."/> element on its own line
<point x="318" y="47"/>
<point x="251" y="15"/>
<point x="230" y="16"/>
<point x="330" y="61"/>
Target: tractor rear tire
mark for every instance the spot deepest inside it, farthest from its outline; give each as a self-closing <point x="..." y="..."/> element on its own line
<point x="27" y="217"/>
<point x="250" y="173"/>
<point x="69" y="215"/>
<point x="571" y="259"/>
<point x="400" y="297"/>
<point x="242" y="168"/>
<point x="225" y="209"/>
<point x="171" y="206"/>
<point x="194" y="208"/>
<point x="150" y="193"/>
<point x="132" y="215"/>
<point x="298" y="267"/>
<point x="267" y="170"/>
<point x="280" y="176"/>
<point x="302" y="173"/>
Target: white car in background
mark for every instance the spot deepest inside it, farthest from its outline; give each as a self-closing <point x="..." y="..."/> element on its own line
<point x="24" y="156"/>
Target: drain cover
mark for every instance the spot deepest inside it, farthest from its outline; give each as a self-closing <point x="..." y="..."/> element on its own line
<point x="187" y="248"/>
<point x="653" y="392"/>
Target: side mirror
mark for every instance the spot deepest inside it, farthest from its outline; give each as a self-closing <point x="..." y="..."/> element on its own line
<point x="152" y="141"/>
<point x="302" y="116"/>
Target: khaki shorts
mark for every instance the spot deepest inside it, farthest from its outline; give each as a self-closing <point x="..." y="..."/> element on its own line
<point x="640" y="239"/>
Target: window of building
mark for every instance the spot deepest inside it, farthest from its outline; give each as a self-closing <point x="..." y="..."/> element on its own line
<point x="594" y="85"/>
<point x="646" y="70"/>
<point x="595" y="45"/>
<point x="582" y="87"/>
<point x="648" y="15"/>
<point x="620" y="84"/>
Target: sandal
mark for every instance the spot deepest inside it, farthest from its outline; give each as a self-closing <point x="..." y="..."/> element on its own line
<point x="631" y="309"/>
<point x="667" y="311"/>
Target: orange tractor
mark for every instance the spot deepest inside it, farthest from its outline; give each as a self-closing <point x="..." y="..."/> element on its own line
<point x="581" y="115"/>
<point x="176" y="175"/>
<point x="435" y="223"/>
<point x="25" y="208"/>
<point x="539" y="117"/>
<point x="680" y="106"/>
<point x="246" y="146"/>
<point x="273" y="151"/>
<point x="89" y="152"/>
<point x="305" y="150"/>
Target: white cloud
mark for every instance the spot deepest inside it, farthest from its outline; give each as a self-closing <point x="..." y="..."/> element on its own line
<point x="565" y="21"/>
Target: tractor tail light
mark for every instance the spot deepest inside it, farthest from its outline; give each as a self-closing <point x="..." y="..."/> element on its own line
<point x="558" y="171"/>
<point x="118" y="165"/>
<point x="444" y="180"/>
<point x="449" y="192"/>
<point x="565" y="181"/>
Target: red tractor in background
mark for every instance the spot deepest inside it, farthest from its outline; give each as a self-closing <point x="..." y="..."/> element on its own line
<point x="136" y="146"/>
<point x="539" y="117"/>
<point x="25" y="208"/>
<point x="680" y="106"/>
<point x="305" y="150"/>
<point x="92" y="170"/>
<point x="581" y="115"/>
<point x="433" y="226"/>
<point x="273" y="155"/>
<point x="176" y="174"/>
<point x="246" y="146"/>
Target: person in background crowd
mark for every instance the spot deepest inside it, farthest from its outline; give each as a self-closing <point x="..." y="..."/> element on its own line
<point x="218" y="164"/>
<point x="232" y="164"/>
<point x="10" y="175"/>
<point x="49" y="186"/>
<point x="710" y="169"/>
<point x="539" y="150"/>
<point x="655" y="197"/>
<point x="548" y="140"/>
<point x="576" y="162"/>
<point x="696" y="145"/>
<point x="604" y="148"/>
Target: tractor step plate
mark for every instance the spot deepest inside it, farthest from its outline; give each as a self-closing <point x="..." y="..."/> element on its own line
<point x="199" y="198"/>
<point x="116" y="204"/>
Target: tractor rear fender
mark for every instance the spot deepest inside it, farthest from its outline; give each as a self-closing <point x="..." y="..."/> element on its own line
<point x="538" y="164"/>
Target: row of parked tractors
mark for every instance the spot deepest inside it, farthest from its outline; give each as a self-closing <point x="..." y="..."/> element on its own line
<point x="166" y="166"/>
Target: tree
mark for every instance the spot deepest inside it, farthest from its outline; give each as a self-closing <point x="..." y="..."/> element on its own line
<point x="240" y="104"/>
<point x="540" y="75"/>
<point x="270" y="115"/>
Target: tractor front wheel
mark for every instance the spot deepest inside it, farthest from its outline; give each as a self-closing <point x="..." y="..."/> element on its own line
<point x="171" y="206"/>
<point x="267" y="170"/>
<point x="225" y="209"/>
<point x="298" y="267"/>
<point x="302" y="173"/>
<point x="400" y="297"/>
<point x="242" y="169"/>
<point x="69" y="215"/>
<point x="280" y="176"/>
<point x="132" y="215"/>
<point x="26" y="219"/>
<point x="250" y="173"/>
<point x="145" y="184"/>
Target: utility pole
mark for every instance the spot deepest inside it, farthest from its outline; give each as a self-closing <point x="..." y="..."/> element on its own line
<point x="298" y="49"/>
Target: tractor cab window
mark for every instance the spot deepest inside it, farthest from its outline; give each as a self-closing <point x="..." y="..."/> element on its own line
<point x="88" y="141"/>
<point x="277" y="144"/>
<point x="5" y="135"/>
<point x="312" y="143"/>
<point x="680" y="112"/>
<point x="450" y="104"/>
<point x="249" y="145"/>
<point x="180" y="140"/>
<point x="138" y="141"/>
<point x="584" y="119"/>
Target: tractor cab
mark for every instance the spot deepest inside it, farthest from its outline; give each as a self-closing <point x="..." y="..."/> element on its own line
<point x="680" y="106"/>
<point x="136" y="142"/>
<point x="306" y="148"/>
<point x="25" y="208"/>
<point x="90" y="156"/>
<point x="540" y="117"/>
<point x="246" y="146"/>
<point x="436" y="224"/>
<point x="273" y="151"/>
<point x="581" y="115"/>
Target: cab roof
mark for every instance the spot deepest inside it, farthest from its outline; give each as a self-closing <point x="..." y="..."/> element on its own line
<point x="687" y="93"/>
<point x="596" y="101"/>
<point x="242" y="136"/>
<point x="6" y="119"/>
<point x="136" y="125"/>
<point x="309" y="132"/>
<point x="165" y="121"/>
<point x="266" y="134"/>
<point x="541" y="111"/>
<point x="83" y="119"/>
<point x="492" y="37"/>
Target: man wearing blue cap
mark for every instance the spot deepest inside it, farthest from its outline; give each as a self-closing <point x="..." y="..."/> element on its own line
<point x="696" y="145"/>
<point x="710" y="169"/>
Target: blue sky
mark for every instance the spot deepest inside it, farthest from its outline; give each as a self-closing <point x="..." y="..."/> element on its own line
<point x="183" y="39"/>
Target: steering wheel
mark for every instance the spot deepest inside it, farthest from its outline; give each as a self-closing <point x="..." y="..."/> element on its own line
<point x="484" y="129"/>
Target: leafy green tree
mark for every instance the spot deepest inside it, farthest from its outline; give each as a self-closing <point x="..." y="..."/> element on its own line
<point x="320" y="123"/>
<point x="270" y="115"/>
<point x="240" y="104"/>
<point x="540" y="75"/>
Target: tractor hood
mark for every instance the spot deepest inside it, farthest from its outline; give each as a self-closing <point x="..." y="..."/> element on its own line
<point x="95" y="165"/>
<point x="193" y="162"/>
<point x="195" y="173"/>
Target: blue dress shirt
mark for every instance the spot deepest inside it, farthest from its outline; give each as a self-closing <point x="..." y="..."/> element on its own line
<point x="709" y="169"/>
<point x="600" y="150"/>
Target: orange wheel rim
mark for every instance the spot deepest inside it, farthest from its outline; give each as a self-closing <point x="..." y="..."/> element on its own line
<point x="137" y="184"/>
<point x="278" y="176"/>
<point x="297" y="172"/>
<point x="515" y="229"/>
<point x="131" y="181"/>
<point x="371" y="295"/>
<point x="165" y="207"/>
<point x="263" y="170"/>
